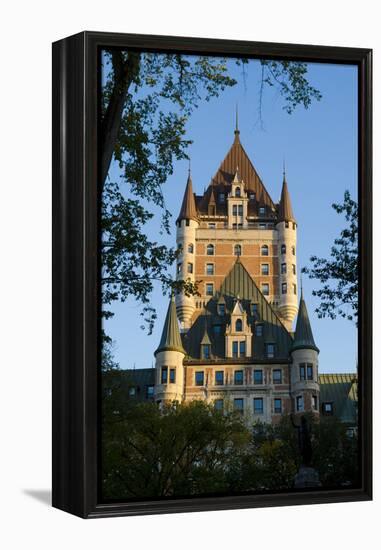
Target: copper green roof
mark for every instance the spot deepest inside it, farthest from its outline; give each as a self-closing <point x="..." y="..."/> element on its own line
<point x="238" y="283"/>
<point x="170" y="338"/>
<point x="285" y="212"/>
<point x="303" y="337"/>
<point x="341" y="391"/>
<point x="188" y="208"/>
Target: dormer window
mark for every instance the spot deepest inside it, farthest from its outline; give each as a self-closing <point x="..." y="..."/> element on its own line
<point x="235" y="209"/>
<point x="270" y="351"/>
<point x="262" y="211"/>
<point x="238" y="325"/>
<point x="237" y="250"/>
<point x="221" y="309"/>
<point x="221" y="197"/>
<point x="205" y="351"/>
<point x="240" y="210"/>
<point x="252" y="196"/>
<point x="237" y="192"/>
<point x="254" y="310"/>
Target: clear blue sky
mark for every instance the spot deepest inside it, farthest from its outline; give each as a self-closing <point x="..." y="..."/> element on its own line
<point x="319" y="146"/>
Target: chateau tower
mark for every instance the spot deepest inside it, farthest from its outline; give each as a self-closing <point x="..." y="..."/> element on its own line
<point x="186" y="223"/>
<point x="169" y="357"/>
<point x="304" y="368"/>
<point x="286" y="226"/>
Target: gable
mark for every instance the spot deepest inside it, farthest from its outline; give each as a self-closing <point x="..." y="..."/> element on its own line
<point x="238" y="283"/>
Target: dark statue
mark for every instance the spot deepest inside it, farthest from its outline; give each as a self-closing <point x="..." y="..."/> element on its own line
<point x="304" y="440"/>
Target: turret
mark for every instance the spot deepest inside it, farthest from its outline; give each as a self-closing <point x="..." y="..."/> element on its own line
<point x="286" y="226"/>
<point x="304" y="367"/>
<point x="187" y="223"/>
<point x="169" y="360"/>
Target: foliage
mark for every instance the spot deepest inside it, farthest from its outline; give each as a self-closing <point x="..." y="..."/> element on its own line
<point x="339" y="273"/>
<point x="147" y="100"/>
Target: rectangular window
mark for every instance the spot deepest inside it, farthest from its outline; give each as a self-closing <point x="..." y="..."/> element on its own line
<point x="238" y="377"/>
<point x="190" y="268"/>
<point x="284" y="288"/>
<point x="209" y="289"/>
<point x="234" y="209"/>
<point x="254" y="310"/>
<point x="286" y="224"/>
<point x="277" y="376"/>
<point x="258" y="330"/>
<point x="164" y="375"/>
<point x="283" y="268"/>
<point x="235" y="349"/>
<point x="310" y="372"/>
<point x="221" y="309"/>
<point x="212" y="225"/>
<point x="221" y="197"/>
<point x="172" y="376"/>
<point x="294" y="288"/>
<point x="277" y="406"/>
<point x="205" y="348"/>
<point x="261" y="211"/>
<point x="150" y="390"/>
<point x="265" y="289"/>
<point x="234" y="226"/>
<point x="302" y="372"/>
<point x="210" y="269"/>
<point x="240" y="210"/>
<point x="258" y="405"/>
<point x="327" y="408"/>
<point x="258" y="377"/>
<point x="219" y="378"/>
<point x="242" y="349"/>
<point x="199" y="378"/>
<point x="262" y="226"/>
<point x="299" y="403"/>
<point x="252" y="196"/>
<point x="270" y="350"/>
<point x="293" y="269"/>
<point x="219" y="404"/>
<point x="238" y="405"/>
<point x="314" y="402"/>
<point x="132" y="392"/>
<point x="179" y="266"/>
<point x="265" y="269"/>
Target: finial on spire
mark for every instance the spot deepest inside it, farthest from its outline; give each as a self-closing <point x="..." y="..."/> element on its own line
<point x="284" y="169"/>
<point x="301" y="287"/>
<point x="236" y="131"/>
<point x="189" y="167"/>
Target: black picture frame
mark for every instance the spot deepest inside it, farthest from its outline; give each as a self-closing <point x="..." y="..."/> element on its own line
<point x="75" y="270"/>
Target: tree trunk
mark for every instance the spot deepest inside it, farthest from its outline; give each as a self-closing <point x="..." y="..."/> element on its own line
<point x="124" y="73"/>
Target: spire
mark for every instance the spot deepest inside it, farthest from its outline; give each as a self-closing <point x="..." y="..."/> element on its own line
<point x="285" y="212"/>
<point x="188" y="209"/>
<point x="303" y="338"/>
<point x="236" y="131"/>
<point x="170" y="338"/>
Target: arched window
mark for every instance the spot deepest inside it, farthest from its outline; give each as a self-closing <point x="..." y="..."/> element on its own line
<point x="264" y="250"/>
<point x="237" y="250"/>
<point x="210" y="250"/>
<point x="237" y="191"/>
<point x="238" y="325"/>
<point x="190" y="248"/>
<point x="283" y="249"/>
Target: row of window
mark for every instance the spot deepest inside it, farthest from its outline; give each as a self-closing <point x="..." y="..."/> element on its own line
<point x="258" y="405"/>
<point x="257" y="377"/>
<point x="239" y="347"/>
<point x="283" y="249"/>
<point x="209" y="267"/>
<point x="265" y="288"/>
<point x="210" y="250"/>
<point x="221" y="309"/>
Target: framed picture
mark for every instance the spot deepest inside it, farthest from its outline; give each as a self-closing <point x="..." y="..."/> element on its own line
<point x="212" y="342"/>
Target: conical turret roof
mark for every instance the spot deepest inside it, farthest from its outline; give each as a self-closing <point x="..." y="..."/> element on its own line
<point x="285" y="212"/>
<point x="188" y="209"/>
<point x="303" y="338"/>
<point x="170" y="338"/>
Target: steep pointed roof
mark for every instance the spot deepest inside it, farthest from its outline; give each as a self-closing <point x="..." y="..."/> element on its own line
<point x="303" y="338"/>
<point x="237" y="159"/>
<point x="170" y="338"/>
<point x="285" y="212"/>
<point x="188" y="209"/>
<point x="238" y="283"/>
